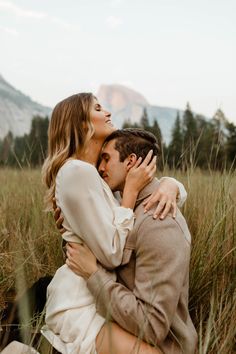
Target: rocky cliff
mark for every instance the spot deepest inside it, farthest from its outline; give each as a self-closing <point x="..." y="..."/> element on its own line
<point x="17" y="110"/>
<point x="125" y="103"/>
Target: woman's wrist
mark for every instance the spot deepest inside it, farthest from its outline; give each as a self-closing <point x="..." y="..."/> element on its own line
<point x="129" y="197"/>
<point x="131" y="187"/>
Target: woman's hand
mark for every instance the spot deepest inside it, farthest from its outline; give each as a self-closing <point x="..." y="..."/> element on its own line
<point x="141" y="173"/>
<point x="165" y="196"/>
<point x="58" y="217"/>
<point x="80" y="259"/>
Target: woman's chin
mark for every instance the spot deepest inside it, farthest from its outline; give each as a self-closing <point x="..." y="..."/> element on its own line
<point x="113" y="128"/>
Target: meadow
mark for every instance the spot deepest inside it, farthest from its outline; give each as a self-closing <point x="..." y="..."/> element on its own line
<point x="30" y="248"/>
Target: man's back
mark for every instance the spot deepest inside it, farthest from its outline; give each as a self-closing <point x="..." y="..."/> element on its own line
<point x="155" y="268"/>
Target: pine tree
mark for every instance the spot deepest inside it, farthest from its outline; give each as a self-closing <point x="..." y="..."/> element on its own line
<point x="190" y="133"/>
<point x="190" y="136"/>
<point x="144" y="121"/>
<point x="6" y="156"/>
<point x="231" y="144"/>
<point x="22" y="151"/>
<point x="127" y="123"/>
<point x="38" y="140"/>
<point x="176" y="145"/>
<point x="218" y="151"/>
<point x="155" y="129"/>
<point x="204" y="143"/>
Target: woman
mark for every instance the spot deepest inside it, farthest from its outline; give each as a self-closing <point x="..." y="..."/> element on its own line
<point x="78" y="128"/>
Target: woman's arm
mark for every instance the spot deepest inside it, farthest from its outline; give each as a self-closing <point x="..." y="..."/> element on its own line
<point x="169" y="194"/>
<point x="90" y="212"/>
<point x="90" y="209"/>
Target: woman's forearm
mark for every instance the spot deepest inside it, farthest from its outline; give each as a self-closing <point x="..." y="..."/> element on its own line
<point x="129" y="198"/>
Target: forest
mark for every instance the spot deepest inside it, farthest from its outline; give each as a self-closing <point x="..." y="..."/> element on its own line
<point x="195" y="141"/>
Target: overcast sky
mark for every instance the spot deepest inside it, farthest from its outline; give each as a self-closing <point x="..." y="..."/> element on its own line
<point x="171" y="51"/>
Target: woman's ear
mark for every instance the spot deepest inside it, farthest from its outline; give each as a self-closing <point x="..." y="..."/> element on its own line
<point x="131" y="160"/>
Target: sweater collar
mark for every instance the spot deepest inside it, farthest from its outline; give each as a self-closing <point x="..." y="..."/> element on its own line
<point x="147" y="191"/>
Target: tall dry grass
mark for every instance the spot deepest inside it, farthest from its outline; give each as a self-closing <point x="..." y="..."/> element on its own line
<point x="210" y="211"/>
<point x="30" y="248"/>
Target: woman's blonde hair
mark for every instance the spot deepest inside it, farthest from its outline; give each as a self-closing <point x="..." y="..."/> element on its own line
<point x="69" y="131"/>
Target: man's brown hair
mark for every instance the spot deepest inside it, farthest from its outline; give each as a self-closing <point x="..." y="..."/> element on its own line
<point x="134" y="141"/>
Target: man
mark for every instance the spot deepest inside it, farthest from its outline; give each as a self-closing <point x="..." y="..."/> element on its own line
<point x="150" y="297"/>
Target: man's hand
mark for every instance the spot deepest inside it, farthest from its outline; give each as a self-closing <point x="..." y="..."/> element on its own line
<point x="165" y="196"/>
<point x="80" y="259"/>
<point x="57" y="217"/>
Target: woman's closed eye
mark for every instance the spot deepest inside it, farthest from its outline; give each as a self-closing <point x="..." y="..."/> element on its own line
<point x="98" y="107"/>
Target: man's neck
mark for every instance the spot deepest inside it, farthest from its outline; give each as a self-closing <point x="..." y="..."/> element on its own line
<point x="147" y="191"/>
<point x="144" y="193"/>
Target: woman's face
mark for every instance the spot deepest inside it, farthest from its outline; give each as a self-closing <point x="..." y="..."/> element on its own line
<point x="101" y="120"/>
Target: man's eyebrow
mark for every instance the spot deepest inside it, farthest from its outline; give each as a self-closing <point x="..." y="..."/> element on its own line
<point x="104" y="154"/>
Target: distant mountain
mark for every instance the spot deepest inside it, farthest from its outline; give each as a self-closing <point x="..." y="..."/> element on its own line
<point x="125" y="103"/>
<point x="17" y="110"/>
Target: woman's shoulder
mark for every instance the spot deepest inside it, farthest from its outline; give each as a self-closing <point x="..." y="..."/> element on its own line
<point x="76" y="168"/>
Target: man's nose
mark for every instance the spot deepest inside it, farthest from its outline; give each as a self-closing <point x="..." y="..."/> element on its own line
<point x="101" y="168"/>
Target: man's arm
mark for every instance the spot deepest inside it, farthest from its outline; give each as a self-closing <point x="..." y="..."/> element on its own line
<point x="161" y="266"/>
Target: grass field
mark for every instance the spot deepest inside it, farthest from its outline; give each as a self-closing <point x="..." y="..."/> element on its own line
<point x="30" y="248"/>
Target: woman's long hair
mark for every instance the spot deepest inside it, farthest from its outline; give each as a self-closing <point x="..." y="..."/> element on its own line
<point x="69" y="131"/>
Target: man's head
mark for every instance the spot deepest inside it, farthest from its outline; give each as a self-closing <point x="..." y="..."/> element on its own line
<point x="121" y="150"/>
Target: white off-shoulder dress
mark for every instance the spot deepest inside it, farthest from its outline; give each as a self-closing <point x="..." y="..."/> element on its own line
<point x="91" y="215"/>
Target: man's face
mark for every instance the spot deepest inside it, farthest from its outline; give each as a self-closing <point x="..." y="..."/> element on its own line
<point x="111" y="169"/>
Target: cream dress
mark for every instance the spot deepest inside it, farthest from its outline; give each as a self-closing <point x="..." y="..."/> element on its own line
<point x="91" y="215"/>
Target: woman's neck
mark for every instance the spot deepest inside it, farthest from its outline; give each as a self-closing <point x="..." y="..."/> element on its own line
<point x="92" y="152"/>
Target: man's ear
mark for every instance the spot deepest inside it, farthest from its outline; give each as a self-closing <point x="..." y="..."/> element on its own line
<point x="131" y="160"/>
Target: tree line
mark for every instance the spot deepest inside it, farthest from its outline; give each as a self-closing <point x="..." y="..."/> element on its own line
<point x="195" y="141"/>
<point x="29" y="150"/>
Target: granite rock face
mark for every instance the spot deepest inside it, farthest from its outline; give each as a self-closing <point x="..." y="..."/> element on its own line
<point x="17" y="110"/>
<point x="127" y="104"/>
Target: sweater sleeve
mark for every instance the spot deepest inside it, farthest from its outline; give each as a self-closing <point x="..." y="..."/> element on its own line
<point x="91" y="214"/>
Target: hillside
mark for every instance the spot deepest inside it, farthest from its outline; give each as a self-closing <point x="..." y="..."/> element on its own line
<point x="17" y="110"/>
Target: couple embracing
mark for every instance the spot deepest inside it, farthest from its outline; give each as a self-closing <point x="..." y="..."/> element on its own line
<point x="124" y="287"/>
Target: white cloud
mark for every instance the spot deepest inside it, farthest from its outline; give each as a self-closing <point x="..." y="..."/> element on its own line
<point x="18" y="11"/>
<point x="13" y="32"/>
<point x="64" y="24"/>
<point x="114" y="22"/>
